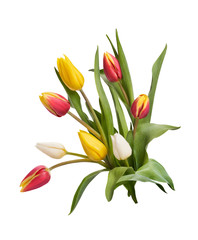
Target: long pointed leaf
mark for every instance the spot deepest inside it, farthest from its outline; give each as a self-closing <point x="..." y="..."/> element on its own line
<point x="122" y="125"/>
<point x="85" y="182"/>
<point x="155" y="75"/>
<point x="106" y="110"/>
<point x="114" y="49"/>
<point x="126" y="81"/>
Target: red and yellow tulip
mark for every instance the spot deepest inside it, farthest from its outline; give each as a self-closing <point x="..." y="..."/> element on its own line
<point x="36" y="178"/>
<point x="55" y="103"/>
<point x="140" y="107"/>
<point x="111" y="67"/>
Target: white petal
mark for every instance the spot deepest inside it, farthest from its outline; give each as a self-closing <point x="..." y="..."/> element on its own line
<point x="121" y="147"/>
<point x="54" y="150"/>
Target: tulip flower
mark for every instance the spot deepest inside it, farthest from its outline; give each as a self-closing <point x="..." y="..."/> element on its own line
<point x="69" y="74"/>
<point x="94" y="148"/>
<point x="36" y="178"/>
<point x="140" y="107"/>
<point x="55" y="103"/>
<point x="54" y="150"/>
<point x="121" y="148"/>
<point x="111" y="67"/>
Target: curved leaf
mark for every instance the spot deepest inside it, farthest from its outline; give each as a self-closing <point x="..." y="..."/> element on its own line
<point x="85" y="182"/>
<point x="113" y="177"/>
<point x="146" y="133"/>
<point x="155" y="171"/>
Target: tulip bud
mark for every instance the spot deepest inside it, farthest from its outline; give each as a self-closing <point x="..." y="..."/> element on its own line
<point x="55" y="103"/>
<point x="94" y="148"/>
<point x="69" y="74"/>
<point x="140" y="106"/>
<point x="121" y="148"/>
<point x="36" y="178"/>
<point x="111" y="67"/>
<point x="54" y="150"/>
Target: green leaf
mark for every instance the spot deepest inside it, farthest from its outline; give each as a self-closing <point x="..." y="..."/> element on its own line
<point x="155" y="171"/>
<point x="155" y="75"/>
<point x="126" y="81"/>
<point x="85" y="182"/>
<point x="113" y="176"/>
<point x="130" y="186"/>
<point x="133" y="177"/>
<point x="122" y="125"/>
<point x="74" y="100"/>
<point x="105" y="107"/>
<point x="146" y="133"/>
<point x="114" y="50"/>
<point x="114" y="85"/>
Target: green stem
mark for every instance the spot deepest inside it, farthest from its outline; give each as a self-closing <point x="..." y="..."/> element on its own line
<point x="127" y="163"/>
<point x="124" y="93"/>
<point x="77" y="154"/>
<point x="77" y="161"/>
<point x="135" y="126"/>
<point x="85" y="125"/>
<point x="95" y="118"/>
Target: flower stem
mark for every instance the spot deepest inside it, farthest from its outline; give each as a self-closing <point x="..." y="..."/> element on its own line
<point x="77" y="161"/>
<point x="77" y="154"/>
<point x="135" y="126"/>
<point x="85" y="125"/>
<point x="124" y="93"/>
<point x="95" y="118"/>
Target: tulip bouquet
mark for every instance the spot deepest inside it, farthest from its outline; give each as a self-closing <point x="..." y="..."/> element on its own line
<point x="121" y="150"/>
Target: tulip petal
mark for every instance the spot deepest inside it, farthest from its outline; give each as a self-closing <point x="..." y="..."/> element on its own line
<point x="54" y="150"/>
<point x="94" y="148"/>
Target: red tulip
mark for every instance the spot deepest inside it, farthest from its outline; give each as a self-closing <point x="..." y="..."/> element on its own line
<point x="55" y="103"/>
<point x="140" y="106"/>
<point x="36" y="178"/>
<point x="111" y="67"/>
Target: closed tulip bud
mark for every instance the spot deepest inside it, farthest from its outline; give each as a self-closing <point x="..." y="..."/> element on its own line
<point x="55" y="103"/>
<point x="140" y="106"/>
<point x="69" y="74"/>
<point x="36" y="178"/>
<point x="54" y="150"/>
<point x="94" y="148"/>
<point x="111" y="67"/>
<point x="121" y="148"/>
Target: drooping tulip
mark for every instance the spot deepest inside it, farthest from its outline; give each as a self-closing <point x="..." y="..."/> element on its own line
<point x="69" y="74"/>
<point x="52" y="149"/>
<point x="55" y="103"/>
<point x="111" y="67"/>
<point x="121" y="148"/>
<point x="36" y="178"/>
<point x="93" y="147"/>
<point x="140" y="107"/>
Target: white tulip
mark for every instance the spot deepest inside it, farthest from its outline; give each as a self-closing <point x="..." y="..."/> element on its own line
<point x="121" y="148"/>
<point x="54" y="150"/>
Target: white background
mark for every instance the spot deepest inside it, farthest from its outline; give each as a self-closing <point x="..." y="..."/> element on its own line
<point x="33" y="35"/>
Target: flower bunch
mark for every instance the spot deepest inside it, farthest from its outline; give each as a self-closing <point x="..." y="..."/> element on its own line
<point x="120" y="149"/>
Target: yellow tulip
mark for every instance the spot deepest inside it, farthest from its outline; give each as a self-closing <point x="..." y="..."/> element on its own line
<point x="69" y="74"/>
<point x="93" y="147"/>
